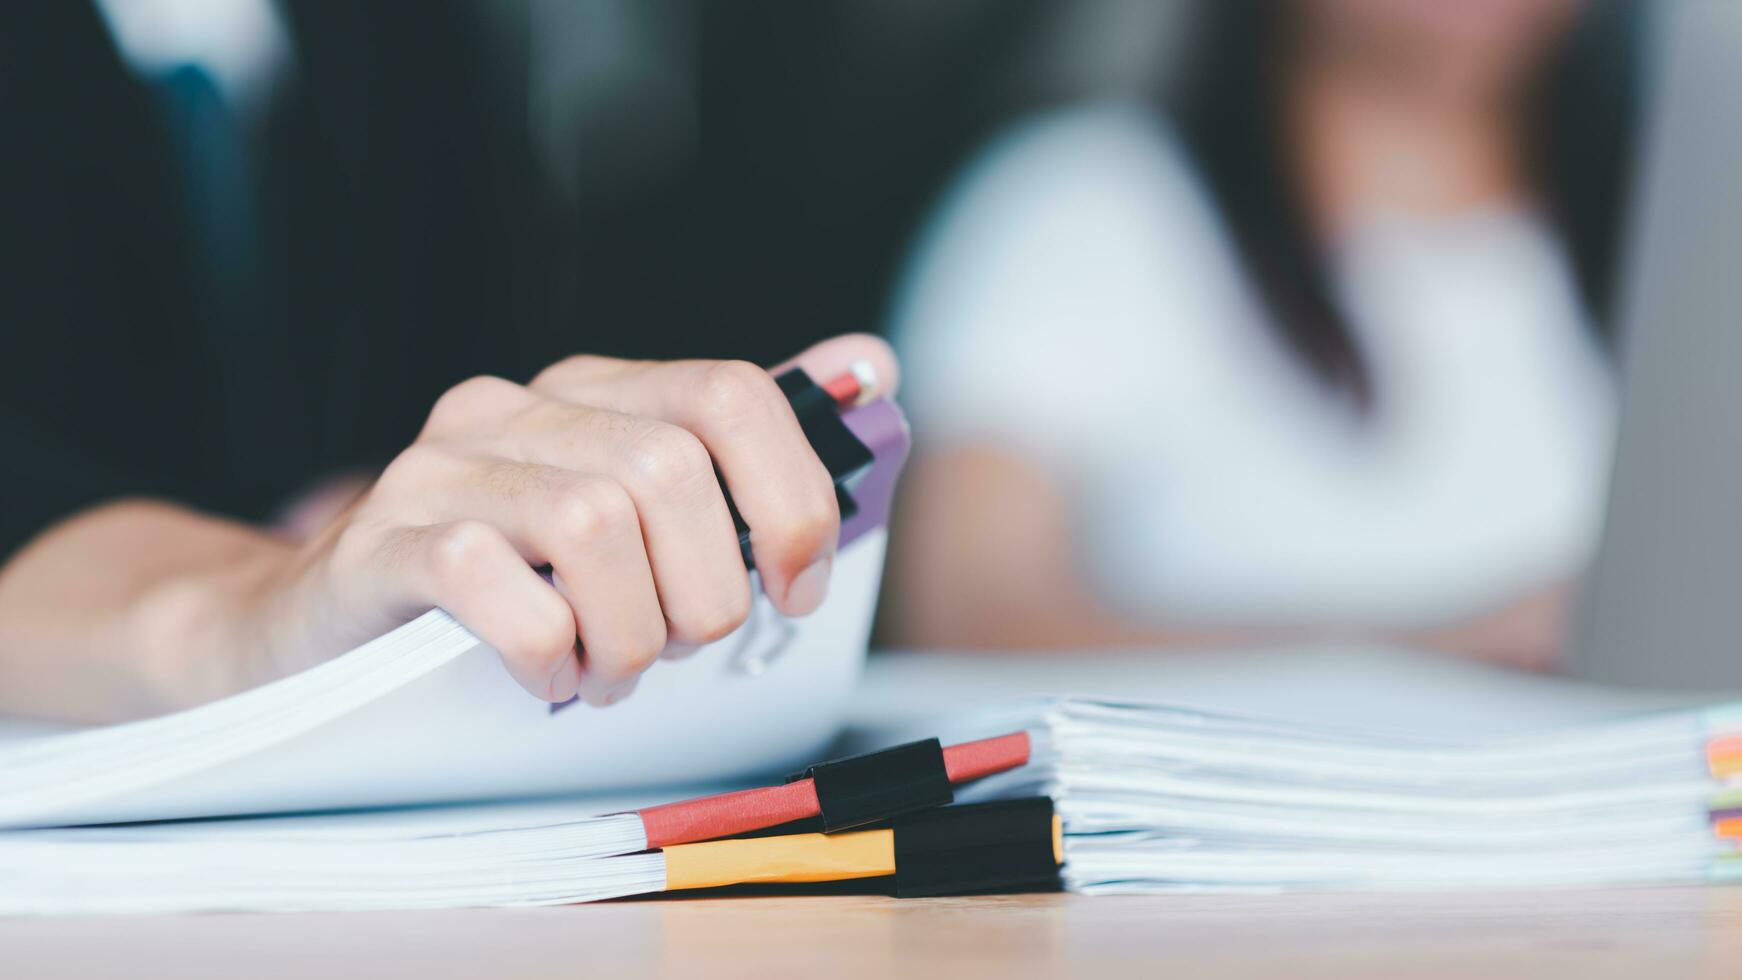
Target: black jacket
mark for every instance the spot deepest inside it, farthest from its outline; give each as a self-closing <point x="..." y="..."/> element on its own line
<point x="391" y="206"/>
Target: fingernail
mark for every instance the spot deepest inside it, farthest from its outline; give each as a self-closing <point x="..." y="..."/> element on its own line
<point x="866" y="374"/>
<point x="620" y="692"/>
<point x="809" y="588"/>
<point x="566" y="679"/>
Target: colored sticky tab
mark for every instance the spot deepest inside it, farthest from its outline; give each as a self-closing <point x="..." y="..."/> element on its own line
<point x="860" y="789"/>
<point x="1724" y="757"/>
<point x="793" y="858"/>
<point x="1724" y="745"/>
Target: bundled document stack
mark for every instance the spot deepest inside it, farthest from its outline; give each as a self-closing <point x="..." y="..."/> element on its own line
<point x="1160" y="799"/>
<point x="882" y="815"/>
<point x="320" y="791"/>
<point x="1151" y="799"/>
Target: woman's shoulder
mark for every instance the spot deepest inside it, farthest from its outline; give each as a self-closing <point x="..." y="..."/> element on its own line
<point x="1104" y="158"/>
<point x="1094" y="201"/>
<point x="1078" y="243"/>
<point x="1104" y="136"/>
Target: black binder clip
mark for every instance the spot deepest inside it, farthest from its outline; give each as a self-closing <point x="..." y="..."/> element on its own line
<point x="843" y="455"/>
<point x="1004" y="846"/>
<point x="864" y="789"/>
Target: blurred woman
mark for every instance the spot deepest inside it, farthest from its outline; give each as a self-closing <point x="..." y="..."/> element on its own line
<point x="1320" y="352"/>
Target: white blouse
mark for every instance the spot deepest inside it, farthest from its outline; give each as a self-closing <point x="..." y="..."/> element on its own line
<point x="1077" y="301"/>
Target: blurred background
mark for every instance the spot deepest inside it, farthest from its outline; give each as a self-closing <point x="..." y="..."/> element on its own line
<point x="646" y="178"/>
<point x="1221" y="320"/>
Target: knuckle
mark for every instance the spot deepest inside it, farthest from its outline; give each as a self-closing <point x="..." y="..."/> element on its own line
<point x="735" y="389"/>
<point x="667" y="459"/>
<point x="536" y="654"/>
<point x="645" y="648"/>
<point x="806" y="527"/>
<point x="469" y="398"/>
<point x="706" y="625"/>
<point x="414" y="465"/>
<point x="458" y="551"/>
<point x="634" y="654"/>
<point x="567" y="370"/>
<point x="590" y="510"/>
<point x="548" y="634"/>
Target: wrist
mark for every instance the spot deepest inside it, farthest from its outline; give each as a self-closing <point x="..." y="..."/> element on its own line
<point x="202" y="634"/>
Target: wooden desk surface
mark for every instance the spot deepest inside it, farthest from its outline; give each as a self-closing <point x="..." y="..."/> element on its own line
<point x="1571" y="935"/>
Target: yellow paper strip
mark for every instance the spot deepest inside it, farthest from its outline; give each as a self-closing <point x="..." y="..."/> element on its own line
<point x="791" y="858"/>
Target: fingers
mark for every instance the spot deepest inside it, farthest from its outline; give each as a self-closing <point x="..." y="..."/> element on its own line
<point x="667" y="473"/>
<point x="471" y="570"/>
<point x="626" y="511"/>
<point x="746" y="426"/>
<point x="780" y="486"/>
<point x="587" y="529"/>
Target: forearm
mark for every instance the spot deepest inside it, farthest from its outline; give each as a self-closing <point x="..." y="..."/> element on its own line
<point x="131" y="609"/>
<point x="968" y="611"/>
<point x="1050" y="623"/>
<point x="983" y="560"/>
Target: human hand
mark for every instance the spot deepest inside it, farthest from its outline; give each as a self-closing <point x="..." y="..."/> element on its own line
<point x="604" y="470"/>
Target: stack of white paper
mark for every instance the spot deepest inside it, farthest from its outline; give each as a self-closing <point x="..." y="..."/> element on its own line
<point x="1154" y="798"/>
<point x="541" y="853"/>
<point x="427" y="714"/>
<point x="1158" y="799"/>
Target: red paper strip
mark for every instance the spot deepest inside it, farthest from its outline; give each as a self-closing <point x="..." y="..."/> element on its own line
<point x="740" y="812"/>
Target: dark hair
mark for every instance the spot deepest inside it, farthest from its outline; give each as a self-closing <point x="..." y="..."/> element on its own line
<point x="1579" y="131"/>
